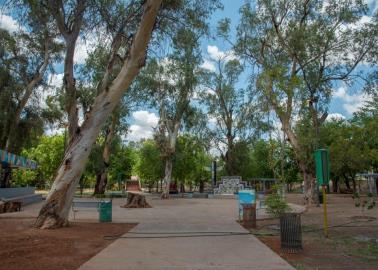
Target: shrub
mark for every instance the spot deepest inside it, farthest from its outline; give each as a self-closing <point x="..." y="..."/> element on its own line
<point x="276" y="205"/>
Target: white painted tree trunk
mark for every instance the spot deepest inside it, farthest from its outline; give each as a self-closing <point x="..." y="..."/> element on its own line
<point x="54" y="212"/>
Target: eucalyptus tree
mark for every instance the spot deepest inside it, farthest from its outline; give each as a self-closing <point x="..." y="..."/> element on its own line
<point x="25" y="58"/>
<point x="69" y="17"/>
<point x="90" y="78"/>
<point x="231" y="110"/>
<point x="172" y="81"/>
<point x="300" y="50"/>
<point x="145" y="16"/>
<point x="55" y="210"/>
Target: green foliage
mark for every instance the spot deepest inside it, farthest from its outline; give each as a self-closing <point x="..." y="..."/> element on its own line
<point x="48" y="154"/>
<point x="149" y="166"/>
<point x="122" y="163"/>
<point x="190" y="161"/>
<point x="276" y="205"/>
<point x="363" y="203"/>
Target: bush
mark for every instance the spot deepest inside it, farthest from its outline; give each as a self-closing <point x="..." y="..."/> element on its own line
<point x="276" y="205"/>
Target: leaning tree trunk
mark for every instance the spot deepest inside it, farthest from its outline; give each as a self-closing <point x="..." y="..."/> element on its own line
<point x="54" y="212"/>
<point x="167" y="177"/>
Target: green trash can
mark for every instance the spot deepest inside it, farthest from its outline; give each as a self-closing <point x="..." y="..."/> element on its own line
<point x="105" y="211"/>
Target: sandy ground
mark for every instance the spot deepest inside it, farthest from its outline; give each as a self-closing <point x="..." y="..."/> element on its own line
<point x="352" y="241"/>
<point x="23" y="247"/>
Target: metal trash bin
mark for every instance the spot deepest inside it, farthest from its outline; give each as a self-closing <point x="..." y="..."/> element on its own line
<point x="249" y="215"/>
<point x="291" y="232"/>
<point x="105" y="211"/>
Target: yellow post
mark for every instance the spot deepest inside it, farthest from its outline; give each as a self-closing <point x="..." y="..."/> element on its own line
<point x="325" y="224"/>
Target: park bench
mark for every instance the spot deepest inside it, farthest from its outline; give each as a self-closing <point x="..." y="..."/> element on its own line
<point x="85" y="205"/>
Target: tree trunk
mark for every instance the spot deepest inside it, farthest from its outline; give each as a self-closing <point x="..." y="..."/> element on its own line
<point x="310" y="193"/>
<point x="182" y="188"/>
<point x="229" y="156"/>
<point x="5" y="176"/>
<point x="55" y="210"/>
<point x="346" y="179"/>
<point x="102" y="176"/>
<point x="70" y="88"/>
<point x="70" y="31"/>
<point x="101" y="182"/>
<point x="354" y="184"/>
<point x="169" y="151"/>
<point x="336" y="184"/>
<point x="201" y="186"/>
<point x="167" y="177"/>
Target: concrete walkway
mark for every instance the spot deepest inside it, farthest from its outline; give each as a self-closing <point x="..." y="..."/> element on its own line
<point x="184" y="217"/>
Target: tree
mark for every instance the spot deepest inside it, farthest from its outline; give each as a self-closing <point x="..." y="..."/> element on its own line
<point x="173" y="82"/>
<point x="150" y="166"/>
<point x="25" y="58"/>
<point x="69" y="18"/>
<point x="55" y="210"/>
<point x="116" y="125"/>
<point x="190" y="161"/>
<point x="230" y="108"/>
<point x="301" y="48"/>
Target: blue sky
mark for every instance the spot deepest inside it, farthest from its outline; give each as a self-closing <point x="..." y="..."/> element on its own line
<point x="344" y="102"/>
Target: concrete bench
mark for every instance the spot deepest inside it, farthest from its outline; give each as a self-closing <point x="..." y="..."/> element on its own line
<point x="25" y="195"/>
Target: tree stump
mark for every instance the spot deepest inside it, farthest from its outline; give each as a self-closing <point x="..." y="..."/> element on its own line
<point x="136" y="200"/>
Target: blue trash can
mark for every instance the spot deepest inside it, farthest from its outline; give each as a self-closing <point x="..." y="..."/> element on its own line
<point x="245" y="197"/>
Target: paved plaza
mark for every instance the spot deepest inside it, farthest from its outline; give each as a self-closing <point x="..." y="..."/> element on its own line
<point x="185" y="234"/>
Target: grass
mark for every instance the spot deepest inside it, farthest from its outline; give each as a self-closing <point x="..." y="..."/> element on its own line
<point x="299" y="266"/>
<point x="367" y="251"/>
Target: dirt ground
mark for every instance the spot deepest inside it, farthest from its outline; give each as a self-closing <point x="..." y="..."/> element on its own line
<point x="24" y="247"/>
<point x="352" y="241"/>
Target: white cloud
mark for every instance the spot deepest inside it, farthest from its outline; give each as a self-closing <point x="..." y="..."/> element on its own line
<point x="8" y="23"/>
<point x="335" y="117"/>
<point x="55" y="80"/>
<point x="352" y="102"/>
<point x="216" y="54"/>
<point x="86" y="45"/>
<point x="143" y="125"/>
<point x="212" y="120"/>
<point x="81" y="51"/>
<point x="208" y="65"/>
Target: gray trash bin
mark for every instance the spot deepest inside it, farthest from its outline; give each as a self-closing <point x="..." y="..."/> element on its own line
<point x="291" y="232"/>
